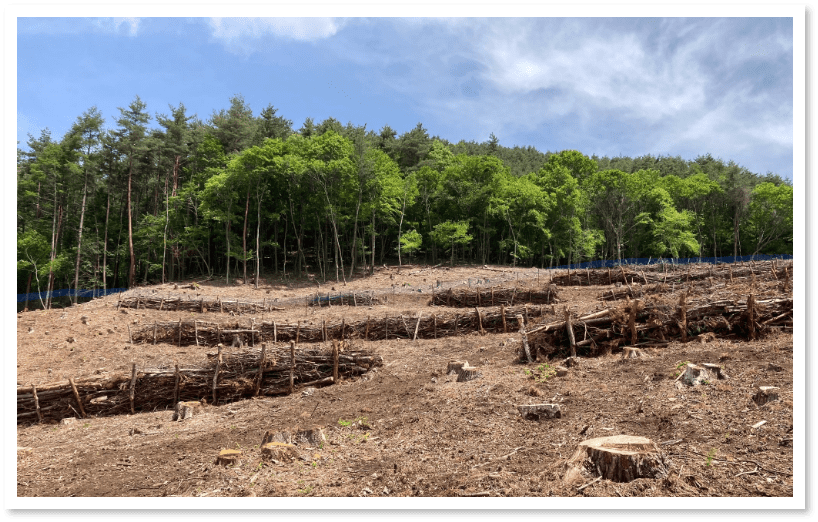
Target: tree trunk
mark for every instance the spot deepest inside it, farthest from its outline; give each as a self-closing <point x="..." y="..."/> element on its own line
<point x="165" y="234"/>
<point x="372" y="264"/>
<point x="227" y="239"/>
<point x="79" y="238"/>
<point x="54" y="243"/>
<point x="244" y="234"/>
<point x="105" y="245"/>
<point x="132" y="266"/>
<point x="355" y="235"/>
<point x="258" y="244"/>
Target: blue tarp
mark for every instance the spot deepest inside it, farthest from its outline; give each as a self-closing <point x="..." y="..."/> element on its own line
<point x="35" y="296"/>
<point x="605" y="263"/>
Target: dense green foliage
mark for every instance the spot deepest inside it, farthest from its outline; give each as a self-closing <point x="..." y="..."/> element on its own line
<point x="240" y="195"/>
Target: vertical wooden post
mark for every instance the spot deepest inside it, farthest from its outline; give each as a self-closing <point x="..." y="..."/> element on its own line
<point x="201" y="305"/>
<point x="456" y="320"/>
<point x="354" y="301"/>
<point x="37" y="403"/>
<point x="154" y="332"/>
<point x="221" y="306"/>
<point x="434" y="320"/>
<point x="751" y="323"/>
<point x="569" y="327"/>
<point x="218" y="334"/>
<point x="479" y="321"/>
<point x="133" y="386"/>
<point x="588" y="273"/>
<point x="177" y="380"/>
<point x="524" y="337"/>
<point x="275" y="333"/>
<point x="335" y="361"/>
<point x="366" y="332"/>
<point x="292" y="366"/>
<point x="196" y="331"/>
<point x="503" y="312"/>
<point x="77" y="397"/>
<point x="161" y="303"/>
<point x="130" y="339"/>
<point x="180" y="332"/>
<point x="525" y="307"/>
<point x="417" y="325"/>
<point x="449" y="297"/>
<point x="683" y="315"/>
<point x="260" y="368"/>
<point x="343" y="327"/>
<point x="492" y="296"/>
<point x="298" y="331"/>
<point x="216" y="375"/>
<point x="323" y="330"/>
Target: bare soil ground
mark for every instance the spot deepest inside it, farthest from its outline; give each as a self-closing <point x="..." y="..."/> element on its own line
<point x="406" y="428"/>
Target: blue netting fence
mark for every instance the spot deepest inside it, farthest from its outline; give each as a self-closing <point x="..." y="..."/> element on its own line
<point x="607" y="263"/>
<point x="70" y="292"/>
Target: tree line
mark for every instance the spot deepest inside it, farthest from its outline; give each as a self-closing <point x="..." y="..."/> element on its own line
<point x="240" y="195"/>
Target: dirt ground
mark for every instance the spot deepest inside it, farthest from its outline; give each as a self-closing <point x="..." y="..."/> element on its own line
<point x="407" y="428"/>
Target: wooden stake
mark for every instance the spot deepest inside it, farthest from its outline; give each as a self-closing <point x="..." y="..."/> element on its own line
<point x="130" y="339"/>
<point x="218" y="334"/>
<point x="77" y="397"/>
<point x="587" y="272"/>
<point x="526" y="348"/>
<point x="569" y="327"/>
<point x="434" y="321"/>
<point x="456" y="320"/>
<point x="354" y="301"/>
<point x="366" y="332"/>
<point x="154" y="332"/>
<point x="503" y="312"/>
<point x="417" y="325"/>
<point x="751" y="323"/>
<point x="133" y="386"/>
<point x="196" y="331"/>
<point x="260" y="368"/>
<point x="252" y="332"/>
<point x="137" y="302"/>
<point x="683" y="315"/>
<point x="201" y="305"/>
<point x="180" y="332"/>
<point x="298" y="331"/>
<point x="479" y="321"/>
<point x="216" y="375"/>
<point x="161" y="303"/>
<point x="292" y="366"/>
<point x="343" y="327"/>
<point x="335" y="361"/>
<point x="221" y="306"/>
<point x="525" y="307"/>
<point x="37" y="403"/>
<point x="323" y="330"/>
<point x="178" y="379"/>
<point x="492" y="296"/>
<point x="275" y="333"/>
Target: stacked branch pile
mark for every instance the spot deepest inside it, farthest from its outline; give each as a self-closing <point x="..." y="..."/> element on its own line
<point x="495" y="297"/>
<point x="634" y="322"/>
<point x="424" y="326"/>
<point x="243" y="374"/>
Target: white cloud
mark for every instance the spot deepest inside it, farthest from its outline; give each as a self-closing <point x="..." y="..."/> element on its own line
<point x="113" y="25"/>
<point x="244" y="34"/>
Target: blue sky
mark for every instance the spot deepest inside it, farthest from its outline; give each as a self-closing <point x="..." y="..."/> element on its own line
<point x="605" y="86"/>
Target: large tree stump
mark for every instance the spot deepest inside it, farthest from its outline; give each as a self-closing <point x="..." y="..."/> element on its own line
<point x="283" y="437"/>
<point x="540" y="411"/>
<point x="467" y="373"/>
<point x="621" y="458"/>
<point x="629" y="352"/>
<point x="185" y="410"/>
<point x="229" y="457"/>
<point x="312" y="437"/>
<point x="279" y="451"/>
<point x="694" y="375"/>
<point x="454" y="367"/>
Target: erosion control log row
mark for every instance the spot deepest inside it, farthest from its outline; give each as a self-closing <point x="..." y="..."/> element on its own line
<point x="633" y="323"/>
<point x="495" y="297"/>
<point x="243" y="374"/>
<point x="185" y="303"/>
<point x="425" y="326"/>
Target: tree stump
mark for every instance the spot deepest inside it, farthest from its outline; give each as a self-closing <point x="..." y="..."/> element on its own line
<point x="621" y="458"/>
<point x="716" y="370"/>
<point x="562" y="371"/>
<point x="467" y="373"/>
<point x="629" y="352"/>
<point x="312" y="437"/>
<point x="282" y="437"/>
<point x="571" y="362"/>
<point x="540" y="411"/>
<point x="185" y="410"/>
<point x="694" y="375"/>
<point x="765" y="394"/>
<point x="279" y="451"/>
<point x="454" y="367"/>
<point x="229" y="457"/>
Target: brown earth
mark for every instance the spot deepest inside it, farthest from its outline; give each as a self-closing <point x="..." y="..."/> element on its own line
<point x="408" y="429"/>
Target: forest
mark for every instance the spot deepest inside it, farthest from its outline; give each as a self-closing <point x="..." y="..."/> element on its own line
<point x="168" y="197"/>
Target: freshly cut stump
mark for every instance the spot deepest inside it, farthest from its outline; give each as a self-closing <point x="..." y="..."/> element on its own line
<point x="454" y="367"/>
<point x="765" y="394"/>
<point x="185" y="410"/>
<point x="279" y="451"/>
<point x="694" y="375"/>
<point x="276" y="436"/>
<point x="562" y="371"/>
<point x="629" y="352"/>
<point x="310" y="436"/>
<point x="467" y="373"/>
<point x="540" y="411"/>
<point x="228" y="457"/>
<point x="716" y="370"/>
<point x="571" y="362"/>
<point x="621" y="458"/>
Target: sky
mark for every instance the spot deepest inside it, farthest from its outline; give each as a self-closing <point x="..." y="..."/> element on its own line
<point x="605" y="86"/>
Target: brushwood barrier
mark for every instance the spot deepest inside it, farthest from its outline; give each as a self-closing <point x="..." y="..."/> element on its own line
<point x="68" y="292"/>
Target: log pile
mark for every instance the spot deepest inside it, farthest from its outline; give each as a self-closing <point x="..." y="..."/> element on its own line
<point x="425" y="326"/>
<point x="467" y="298"/>
<point x="665" y="273"/>
<point x="353" y="299"/>
<point x="634" y="323"/>
<point x="633" y="292"/>
<point x="186" y="303"/>
<point x="243" y="374"/>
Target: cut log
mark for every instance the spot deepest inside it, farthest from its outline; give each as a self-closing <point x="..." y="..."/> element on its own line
<point x="454" y="367"/>
<point x="279" y="451"/>
<point x="467" y="373"/>
<point x="621" y="458"/>
<point x="540" y="411"/>
<point x="229" y="457"/>
<point x="765" y="394"/>
<point x="312" y="437"/>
